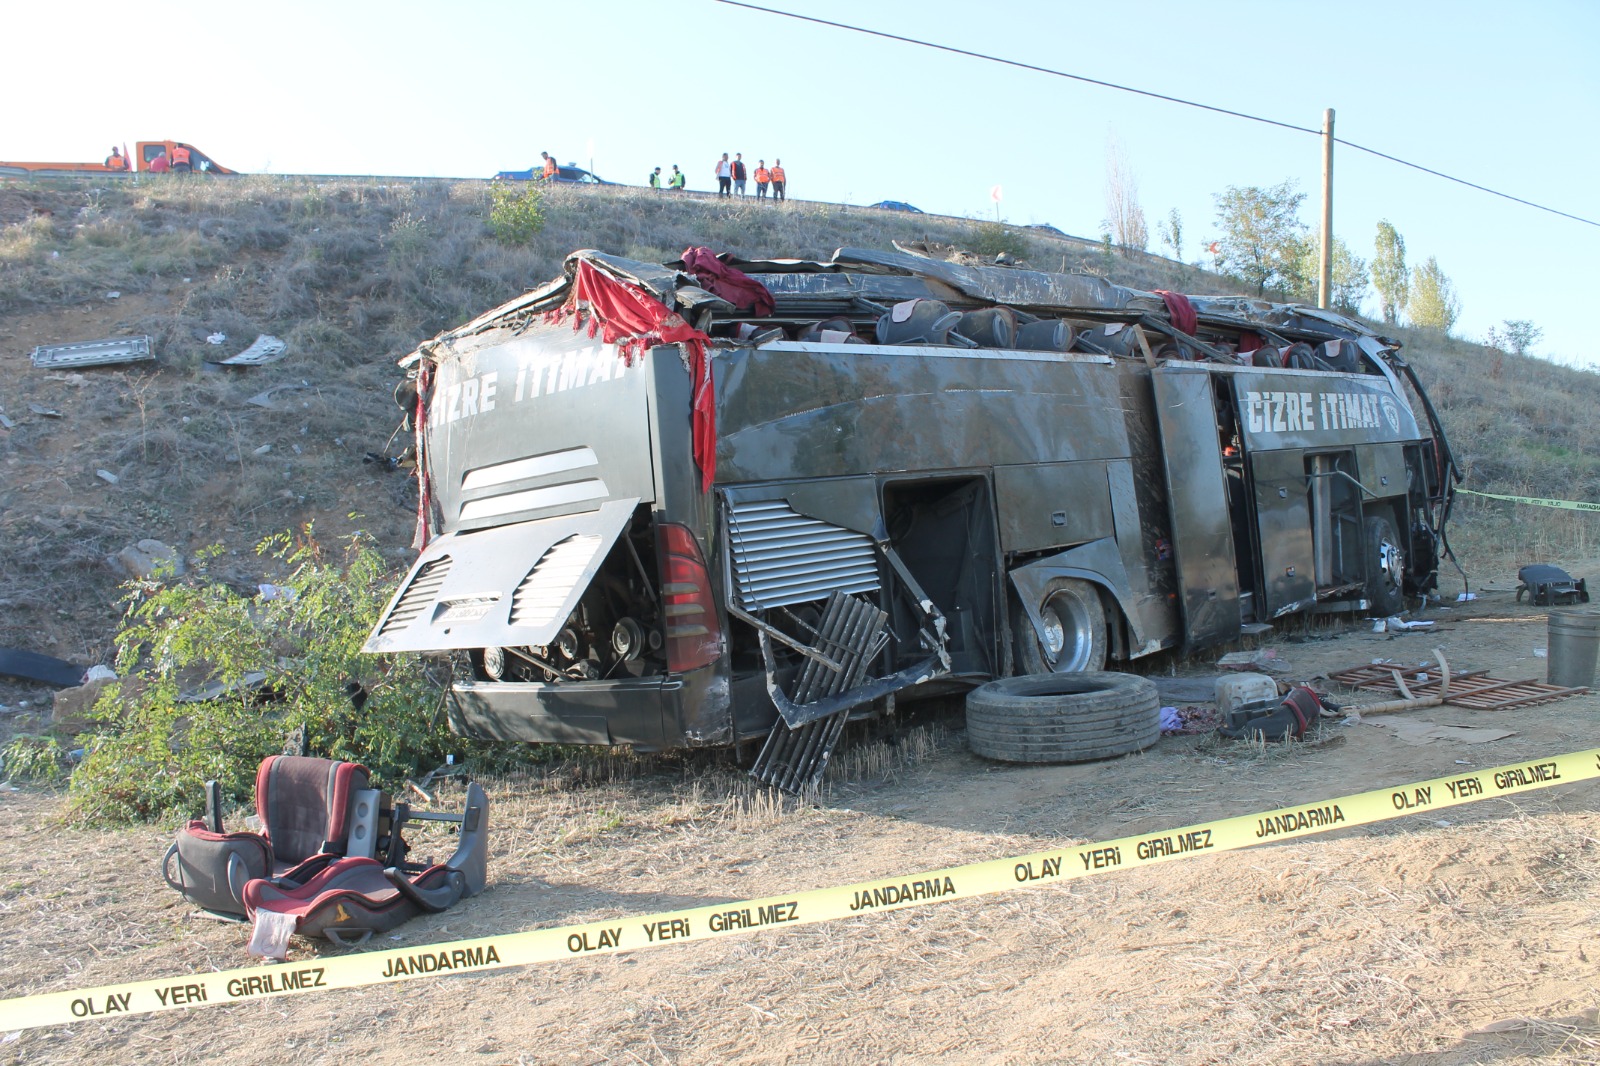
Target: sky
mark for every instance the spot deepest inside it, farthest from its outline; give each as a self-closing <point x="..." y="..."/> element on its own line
<point x="1501" y="95"/>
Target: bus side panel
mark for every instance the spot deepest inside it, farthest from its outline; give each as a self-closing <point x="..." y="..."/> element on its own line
<point x="1202" y="537"/>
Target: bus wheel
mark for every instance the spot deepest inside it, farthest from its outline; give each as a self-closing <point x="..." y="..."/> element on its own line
<point x="1055" y="718"/>
<point x="1074" y="637"/>
<point x="1386" y="567"/>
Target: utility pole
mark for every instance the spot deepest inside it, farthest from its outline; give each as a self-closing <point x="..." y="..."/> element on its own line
<point x="1325" y="274"/>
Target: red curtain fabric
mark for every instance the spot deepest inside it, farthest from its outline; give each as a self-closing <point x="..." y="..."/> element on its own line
<point x="1181" y="310"/>
<point x="424" y="533"/>
<point x="733" y="285"/>
<point x="632" y="319"/>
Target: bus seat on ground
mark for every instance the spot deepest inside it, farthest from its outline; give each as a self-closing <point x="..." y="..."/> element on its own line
<point x="354" y="897"/>
<point x="311" y="811"/>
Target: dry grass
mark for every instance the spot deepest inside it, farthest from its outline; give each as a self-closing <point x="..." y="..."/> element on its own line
<point x="1453" y="943"/>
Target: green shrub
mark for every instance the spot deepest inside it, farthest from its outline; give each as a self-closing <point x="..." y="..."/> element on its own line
<point x="33" y="758"/>
<point x="150" y="753"/>
<point x="991" y="239"/>
<point x="515" y="213"/>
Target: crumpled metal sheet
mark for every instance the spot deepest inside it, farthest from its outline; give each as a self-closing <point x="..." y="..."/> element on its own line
<point x="660" y="281"/>
<point x="1247" y="311"/>
<point x="1012" y="286"/>
<point x="265" y="349"/>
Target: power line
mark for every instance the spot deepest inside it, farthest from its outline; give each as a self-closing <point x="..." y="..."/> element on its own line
<point x="1154" y="96"/>
<point x="1021" y="65"/>
<point x="1462" y="181"/>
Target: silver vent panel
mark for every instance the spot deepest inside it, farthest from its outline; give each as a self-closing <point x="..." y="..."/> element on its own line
<point x="543" y="594"/>
<point x="780" y="557"/>
<point x="419" y="595"/>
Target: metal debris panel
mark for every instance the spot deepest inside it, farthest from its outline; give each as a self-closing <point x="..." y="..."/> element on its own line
<point x="1473" y="689"/>
<point x="265" y="349"/>
<point x="107" y="352"/>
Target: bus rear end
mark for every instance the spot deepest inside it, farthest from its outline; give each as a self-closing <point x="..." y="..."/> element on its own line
<point x="587" y="616"/>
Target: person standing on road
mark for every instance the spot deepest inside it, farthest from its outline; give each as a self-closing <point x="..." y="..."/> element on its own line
<point x="549" y="171"/>
<point x="160" y="164"/>
<point x="738" y="173"/>
<point x="655" y="178"/>
<point x="778" y="180"/>
<point x="678" y="180"/>
<point x="724" y="171"/>
<point x="180" y="159"/>
<point x="763" y="179"/>
<point x="116" y="161"/>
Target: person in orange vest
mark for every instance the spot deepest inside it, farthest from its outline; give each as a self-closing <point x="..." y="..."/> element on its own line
<point x="180" y="159"/>
<point x="549" y="172"/>
<point x="778" y="179"/>
<point x="115" y="161"/>
<point x="763" y="179"/>
<point x="160" y="164"/>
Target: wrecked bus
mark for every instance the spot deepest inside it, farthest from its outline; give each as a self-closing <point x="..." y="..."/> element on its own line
<point x="716" y="501"/>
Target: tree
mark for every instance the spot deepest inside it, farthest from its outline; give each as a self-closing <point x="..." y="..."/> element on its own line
<point x="1389" y="274"/>
<point x="1349" y="276"/>
<point x="1432" y="298"/>
<point x="1263" y="239"/>
<point x="1518" y="337"/>
<point x="1124" y="216"/>
<point x="1171" y="232"/>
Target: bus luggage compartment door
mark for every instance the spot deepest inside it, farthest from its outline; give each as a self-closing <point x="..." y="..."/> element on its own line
<point x="1283" y="519"/>
<point x="1202" y="538"/>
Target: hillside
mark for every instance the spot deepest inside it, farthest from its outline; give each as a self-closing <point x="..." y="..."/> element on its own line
<point x="353" y="275"/>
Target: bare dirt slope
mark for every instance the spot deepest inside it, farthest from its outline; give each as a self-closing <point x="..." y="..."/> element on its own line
<point x="1467" y="936"/>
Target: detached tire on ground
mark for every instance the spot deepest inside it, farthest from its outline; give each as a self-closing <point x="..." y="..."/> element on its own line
<point x="1056" y="718"/>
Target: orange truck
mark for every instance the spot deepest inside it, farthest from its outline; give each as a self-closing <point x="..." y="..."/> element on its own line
<point x="145" y="153"/>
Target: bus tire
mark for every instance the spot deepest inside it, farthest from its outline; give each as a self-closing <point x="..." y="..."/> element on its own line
<point x="1075" y="623"/>
<point x="1062" y="718"/>
<point x="1386" y="567"/>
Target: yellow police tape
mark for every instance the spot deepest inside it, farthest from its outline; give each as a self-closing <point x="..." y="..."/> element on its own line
<point x="1536" y="501"/>
<point x="801" y="908"/>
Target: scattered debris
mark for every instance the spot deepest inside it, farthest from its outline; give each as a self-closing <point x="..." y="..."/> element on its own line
<point x="276" y="592"/>
<point x="1550" y="586"/>
<point x="1467" y="688"/>
<point x="1232" y="693"/>
<point x="1415" y="731"/>
<point x="214" y="689"/>
<point x="265" y="349"/>
<point x="43" y="411"/>
<point x="1260" y="660"/>
<point x="99" y="673"/>
<point x="268" y="398"/>
<point x="216" y="338"/>
<point x="142" y="559"/>
<point x="6" y="422"/>
<point x="1275" y="720"/>
<point x="31" y="666"/>
<point x="263" y="450"/>
<point x="1191" y="721"/>
<point x="107" y="476"/>
<point x="113" y="295"/>
<point x="1396" y="624"/>
<point x="107" y="352"/>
